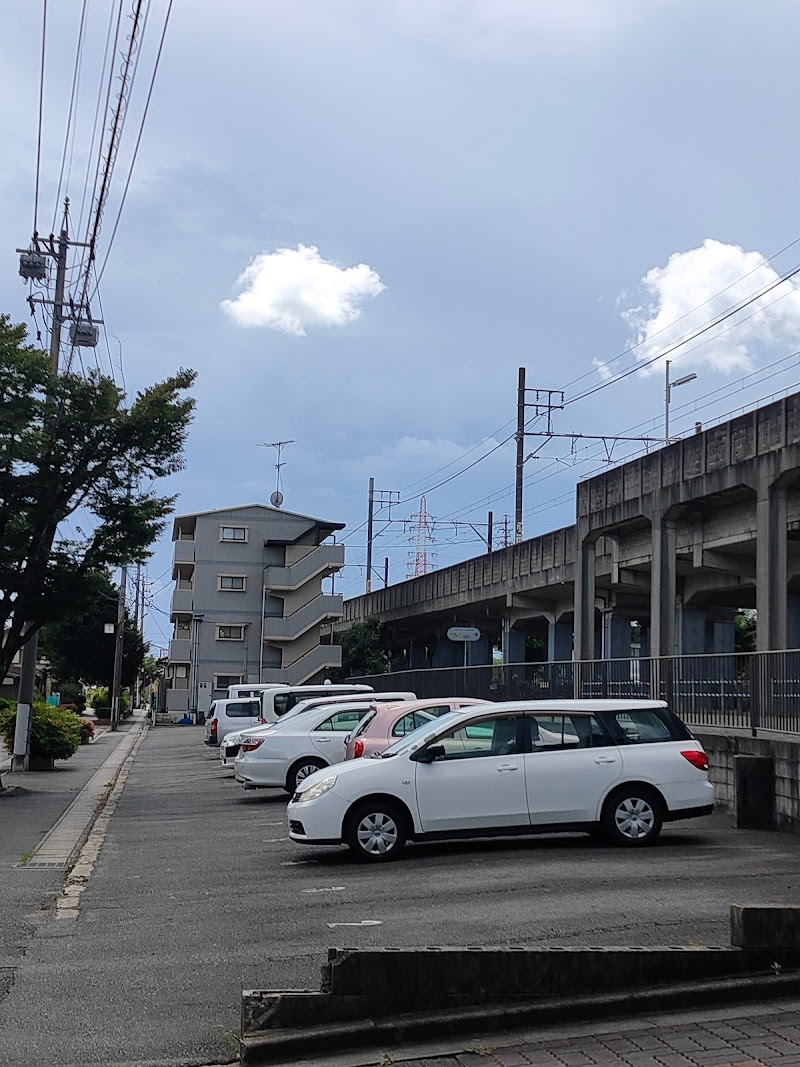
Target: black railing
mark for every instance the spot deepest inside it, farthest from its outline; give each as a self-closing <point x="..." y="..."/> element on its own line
<point x="748" y="690"/>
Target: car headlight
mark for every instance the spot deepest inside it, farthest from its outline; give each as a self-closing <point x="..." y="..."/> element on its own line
<point x="315" y="790"/>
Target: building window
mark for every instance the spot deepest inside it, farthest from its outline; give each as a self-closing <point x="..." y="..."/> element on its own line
<point x="179" y="671"/>
<point x="223" y="681"/>
<point x="230" y="633"/>
<point x="231" y="583"/>
<point x="233" y="533"/>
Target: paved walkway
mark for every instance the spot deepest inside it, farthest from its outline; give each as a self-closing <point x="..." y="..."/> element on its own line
<point x="760" y="1035"/>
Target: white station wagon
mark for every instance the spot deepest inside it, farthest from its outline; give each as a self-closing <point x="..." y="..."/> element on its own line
<point x="621" y="767"/>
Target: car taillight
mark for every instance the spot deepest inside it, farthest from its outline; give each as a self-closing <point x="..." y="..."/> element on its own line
<point x="213" y="726"/>
<point x="697" y="759"/>
<point x="358" y="749"/>
<point x="263" y="720"/>
<point x="253" y="743"/>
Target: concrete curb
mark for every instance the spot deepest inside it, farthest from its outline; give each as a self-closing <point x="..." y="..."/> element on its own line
<point x="68" y="903"/>
<point x="266" y="1046"/>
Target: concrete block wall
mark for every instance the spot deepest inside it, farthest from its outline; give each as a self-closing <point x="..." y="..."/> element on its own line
<point x="722" y="751"/>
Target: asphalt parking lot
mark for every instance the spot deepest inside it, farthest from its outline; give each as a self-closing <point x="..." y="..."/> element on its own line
<point x="199" y="892"/>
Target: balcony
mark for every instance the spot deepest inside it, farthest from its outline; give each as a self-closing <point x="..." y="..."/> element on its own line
<point x="320" y="562"/>
<point x="179" y="650"/>
<point x="322" y="607"/>
<point x="183" y="552"/>
<point x="182" y="600"/>
<point x="318" y="659"/>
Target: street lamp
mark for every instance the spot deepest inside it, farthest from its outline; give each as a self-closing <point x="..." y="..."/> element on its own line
<point x="667" y="394"/>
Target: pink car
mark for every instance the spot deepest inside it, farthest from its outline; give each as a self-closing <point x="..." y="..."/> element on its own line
<point x="387" y="723"/>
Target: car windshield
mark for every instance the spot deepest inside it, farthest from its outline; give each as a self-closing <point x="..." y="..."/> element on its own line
<point x="421" y="734"/>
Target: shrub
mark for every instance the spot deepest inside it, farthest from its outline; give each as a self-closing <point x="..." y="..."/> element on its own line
<point x="98" y="699"/>
<point x="87" y="731"/>
<point x="55" y="733"/>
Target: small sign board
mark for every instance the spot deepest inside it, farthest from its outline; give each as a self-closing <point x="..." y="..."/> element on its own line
<point x="463" y="633"/>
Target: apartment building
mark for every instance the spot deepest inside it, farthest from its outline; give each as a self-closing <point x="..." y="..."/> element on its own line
<point x="248" y="604"/>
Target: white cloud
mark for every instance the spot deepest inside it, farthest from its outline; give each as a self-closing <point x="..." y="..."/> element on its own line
<point x="292" y="289"/>
<point x="701" y="285"/>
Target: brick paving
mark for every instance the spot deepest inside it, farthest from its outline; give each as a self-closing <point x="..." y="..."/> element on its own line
<point x="753" y="1039"/>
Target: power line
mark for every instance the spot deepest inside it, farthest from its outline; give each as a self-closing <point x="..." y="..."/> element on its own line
<point x="41" y="109"/>
<point x="72" y="102"/>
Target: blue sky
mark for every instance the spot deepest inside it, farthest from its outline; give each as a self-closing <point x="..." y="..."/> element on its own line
<point x="524" y="184"/>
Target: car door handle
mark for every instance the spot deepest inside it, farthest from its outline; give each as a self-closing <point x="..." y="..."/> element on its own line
<point x="605" y="759"/>
<point x="322" y="740"/>
<point x="504" y="768"/>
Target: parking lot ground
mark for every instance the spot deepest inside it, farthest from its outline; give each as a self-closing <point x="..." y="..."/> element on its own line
<point x="198" y="893"/>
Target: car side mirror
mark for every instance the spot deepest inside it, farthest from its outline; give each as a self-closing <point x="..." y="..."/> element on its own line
<point x="429" y="754"/>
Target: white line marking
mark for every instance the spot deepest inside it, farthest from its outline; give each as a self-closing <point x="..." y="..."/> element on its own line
<point x="274" y="840"/>
<point x="364" y="922"/>
<point x="326" y="889"/>
<point x="296" y="863"/>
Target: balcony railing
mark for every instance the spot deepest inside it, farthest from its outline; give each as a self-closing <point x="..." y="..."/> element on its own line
<point x="179" y="650"/>
<point x="183" y="552"/>
<point x="318" y="659"/>
<point x="182" y="600"/>
<point x="322" y="607"/>
<point x="319" y="562"/>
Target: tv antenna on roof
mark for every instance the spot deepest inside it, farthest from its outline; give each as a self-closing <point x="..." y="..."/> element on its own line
<point x="277" y="497"/>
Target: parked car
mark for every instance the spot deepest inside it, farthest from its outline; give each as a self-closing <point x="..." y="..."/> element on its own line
<point x="226" y="716"/>
<point x="229" y="748"/>
<point x="281" y="758"/>
<point x="382" y="727"/>
<point x="623" y="767"/>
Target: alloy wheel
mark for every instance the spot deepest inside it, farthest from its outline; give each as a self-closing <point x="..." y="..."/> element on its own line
<point x="377" y="833"/>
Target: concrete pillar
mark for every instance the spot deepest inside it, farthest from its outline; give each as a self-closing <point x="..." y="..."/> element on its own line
<point x="479" y="653"/>
<point x="584" y="598"/>
<point x="771" y="568"/>
<point x="692" y="631"/>
<point x="559" y="641"/>
<point x="417" y="654"/>
<point x="793" y="621"/>
<point x="513" y="644"/>
<point x="616" y="637"/>
<point x="448" y="653"/>
<point x="663" y="587"/>
<point x="723" y="636"/>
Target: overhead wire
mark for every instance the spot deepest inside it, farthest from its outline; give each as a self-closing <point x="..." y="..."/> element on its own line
<point x="73" y="97"/>
<point x="41" y="114"/>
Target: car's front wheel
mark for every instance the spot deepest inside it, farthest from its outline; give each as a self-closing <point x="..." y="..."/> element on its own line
<point x="300" y="771"/>
<point x="375" y="831"/>
<point x="632" y="816"/>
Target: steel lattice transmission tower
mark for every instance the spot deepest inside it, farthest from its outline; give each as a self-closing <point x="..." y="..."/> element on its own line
<point x="422" y="558"/>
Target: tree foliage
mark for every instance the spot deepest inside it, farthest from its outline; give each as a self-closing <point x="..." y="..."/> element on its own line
<point x="745" y="625"/>
<point x="78" y="648"/>
<point x="69" y="448"/>
<point x="363" y="649"/>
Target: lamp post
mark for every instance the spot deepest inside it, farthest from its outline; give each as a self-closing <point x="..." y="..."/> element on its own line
<point x="669" y="386"/>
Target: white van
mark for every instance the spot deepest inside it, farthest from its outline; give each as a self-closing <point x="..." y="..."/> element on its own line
<point x="253" y="689"/>
<point x="229" y="715"/>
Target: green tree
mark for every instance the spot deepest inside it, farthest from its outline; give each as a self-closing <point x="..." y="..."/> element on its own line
<point x="78" y="648"/>
<point x="364" y="650"/>
<point x="744" y="623"/>
<point x="68" y="447"/>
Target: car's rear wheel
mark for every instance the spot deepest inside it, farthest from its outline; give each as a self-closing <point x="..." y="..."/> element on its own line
<point x="632" y="816"/>
<point x="375" y="831"/>
<point x="301" y="770"/>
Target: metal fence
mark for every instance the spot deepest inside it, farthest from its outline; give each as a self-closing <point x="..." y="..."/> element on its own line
<point x="749" y="690"/>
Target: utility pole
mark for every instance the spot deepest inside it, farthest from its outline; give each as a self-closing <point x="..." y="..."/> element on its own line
<point x="30" y="651"/>
<point x="489" y="532"/>
<point x="370" y="521"/>
<point x="119" y="638"/>
<point x="385" y="571"/>
<point x="520" y="435"/>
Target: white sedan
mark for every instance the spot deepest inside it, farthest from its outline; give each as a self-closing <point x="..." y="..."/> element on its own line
<point x="229" y="748"/>
<point x="285" y="755"/>
<point x="620" y="766"/>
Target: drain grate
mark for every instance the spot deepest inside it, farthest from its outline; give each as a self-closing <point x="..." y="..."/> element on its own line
<point x="41" y="865"/>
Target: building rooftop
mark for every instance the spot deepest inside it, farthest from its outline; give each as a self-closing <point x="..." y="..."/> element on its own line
<point x="323" y="524"/>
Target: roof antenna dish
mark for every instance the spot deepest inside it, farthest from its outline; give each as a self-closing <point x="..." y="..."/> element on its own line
<point x="277" y="497"/>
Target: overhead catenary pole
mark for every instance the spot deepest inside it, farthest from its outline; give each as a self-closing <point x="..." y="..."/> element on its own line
<point x="489" y="532"/>
<point x="385" y="571"/>
<point x="370" y="524"/>
<point x="30" y="651"/>
<point x="520" y="436"/>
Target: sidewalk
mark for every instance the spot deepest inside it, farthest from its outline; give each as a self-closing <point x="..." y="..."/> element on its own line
<point x="36" y="805"/>
<point x="754" y="1035"/>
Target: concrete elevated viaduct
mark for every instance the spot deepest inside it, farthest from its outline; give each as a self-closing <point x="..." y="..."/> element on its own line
<point x="676" y="541"/>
